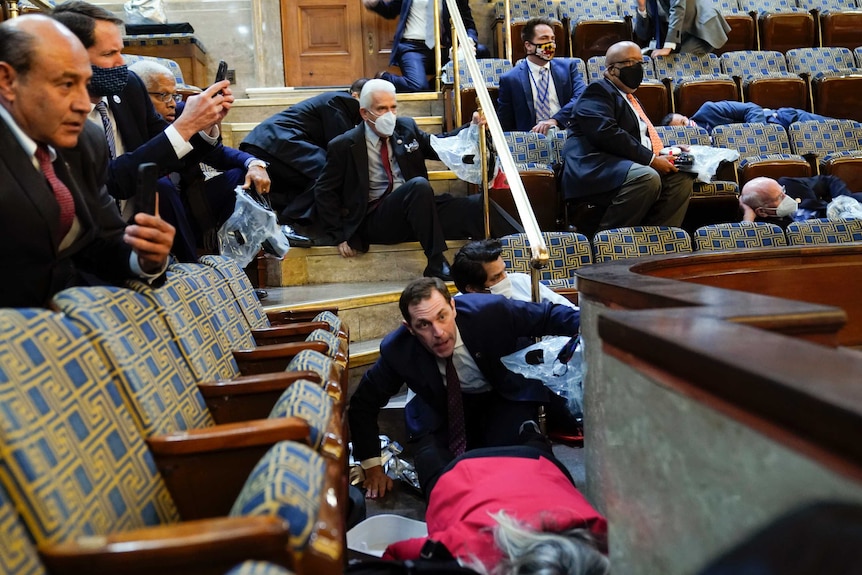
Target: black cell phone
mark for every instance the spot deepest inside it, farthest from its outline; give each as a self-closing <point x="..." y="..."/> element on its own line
<point x="145" y="194"/>
<point x="221" y="74"/>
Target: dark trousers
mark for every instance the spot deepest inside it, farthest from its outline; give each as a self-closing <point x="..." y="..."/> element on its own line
<point x="416" y="61"/>
<point x="173" y="210"/>
<point x="291" y="194"/>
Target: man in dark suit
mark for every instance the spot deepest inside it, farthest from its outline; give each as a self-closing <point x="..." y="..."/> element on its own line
<point x="447" y="343"/>
<point x="612" y="153"/>
<point x="686" y="26"/>
<point x="132" y="127"/>
<point x="539" y="93"/>
<point x="412" y="48"/>
<point x="59" y="226"/>
<point x="712" y="114"/>
<point x="374" y="188"/>
<point x="294" y="143"/>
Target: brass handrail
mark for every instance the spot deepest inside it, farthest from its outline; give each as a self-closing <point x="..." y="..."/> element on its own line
<point x="538" y="249"/>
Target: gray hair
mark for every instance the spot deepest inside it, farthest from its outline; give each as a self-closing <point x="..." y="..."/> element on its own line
<point x="529" y="552"/>
<point x="371" y="87"/>
<point x="150" y="70"/>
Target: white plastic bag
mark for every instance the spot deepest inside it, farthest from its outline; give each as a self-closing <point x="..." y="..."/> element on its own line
<point x="251" y="224"/>
<point x="460" y="153"/>
<point x="707" y="159"/>
<point x="844" y="208"/>
<point x="145" y="12"/>
<point x="557" y="362"/>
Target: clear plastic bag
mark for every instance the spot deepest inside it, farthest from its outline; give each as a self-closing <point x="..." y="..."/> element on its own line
<point x="707" y="159"/>
<point x="460" y="153"/>
<point x="558" y="362"/>
<point x="145" y="12"/>
<point x="844" y="208"/>
<point x="252" y="223"/>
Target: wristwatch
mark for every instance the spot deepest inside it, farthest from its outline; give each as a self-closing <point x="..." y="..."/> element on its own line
<point x="256" y="162"/>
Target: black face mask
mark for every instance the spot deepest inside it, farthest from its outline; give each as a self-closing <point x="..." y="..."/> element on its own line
<point x="632" y="76"/>
<point x="108" y="81"/>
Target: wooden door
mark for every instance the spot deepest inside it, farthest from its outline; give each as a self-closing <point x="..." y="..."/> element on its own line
<point x="377" y="34"/>
<point x="321" y="42"/>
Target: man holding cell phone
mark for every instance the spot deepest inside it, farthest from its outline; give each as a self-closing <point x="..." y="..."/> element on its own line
<point x="134" y="132"/>
<point x="58" y="225"/>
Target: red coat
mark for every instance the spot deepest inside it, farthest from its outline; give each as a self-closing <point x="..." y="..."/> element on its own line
<point x="534" y="491"/>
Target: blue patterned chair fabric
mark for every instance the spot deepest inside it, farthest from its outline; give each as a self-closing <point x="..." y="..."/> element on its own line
<point x="70" y="457"/>
<point x="824" y="138"/>
<point x="491" y="69"/>
<point x="566" y="252"/>
<point x="146" y="363"/>
<point x="309" y="401"/>
<point x="286" y="483"/>
<point x="820" y="62"/>
<point x="18" y="555"/>
<point x="763" y="7"/>
<point x="756" y="143"/>
<point x="530" y="150"/>
<point x="577" y="10"/>
<point x="695" y="135"/>
<point x="259" y="568"/>
<point x="826" y="6"/>
<point x="681" y="68"/>
<point x="858" y="54"/>
<point x="242" y="289"/>
<point x="638" y="241"/>
<point x="752" y="65"/>
<point x="522" y="10"/>
<point x="823" y="231"/>
<point x="728" y="7"/>
<point x="738" y="235"/>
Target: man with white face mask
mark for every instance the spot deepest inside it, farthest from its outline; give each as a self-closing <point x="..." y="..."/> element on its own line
<point x="479" y="268"/>
<point x="374" y="188"/>
<point x="790" y="199"/>
<point x="539" y="93"/>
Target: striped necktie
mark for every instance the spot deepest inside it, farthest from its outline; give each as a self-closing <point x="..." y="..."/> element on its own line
<point x="102" y="108"/>
<point x="654" y="138"/>
<point x="543" y="104"/>
<point x="61" y="191"/>
<point x="457" y="428"/>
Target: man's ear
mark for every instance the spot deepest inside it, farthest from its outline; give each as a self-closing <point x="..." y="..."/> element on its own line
<point x="470" y="289"/>
<point x="8" y="75"/>
<point x="407" y="325"/>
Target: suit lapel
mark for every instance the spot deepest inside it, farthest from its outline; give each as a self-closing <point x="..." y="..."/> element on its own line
<point x="561" y="82"/>
<point x="527" y="86"/>
<point x="360" y="157"/>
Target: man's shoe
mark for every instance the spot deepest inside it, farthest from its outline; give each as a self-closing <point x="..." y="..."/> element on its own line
<point x="438" y="267"/>
<point x="296" y="240"/>
<point x="261" y="294"/>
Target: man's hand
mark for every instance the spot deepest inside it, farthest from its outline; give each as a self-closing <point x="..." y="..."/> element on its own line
<point x="257" y="175"/>
<point x="545" y="125"/>
<point x="660" y="52"/>
<point x="345" y="250"/>
<point x="376" y="483"/>
<point x="478" y="119"/>
<point x="748" y="214"/>
<point x="662" y="166"/>
<point x="151" y="238"/>
<point x="642" y="5"/>
<point x="204" y="110"/>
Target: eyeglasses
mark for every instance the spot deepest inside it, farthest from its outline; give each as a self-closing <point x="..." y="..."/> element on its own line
<point x="165" y="97"/>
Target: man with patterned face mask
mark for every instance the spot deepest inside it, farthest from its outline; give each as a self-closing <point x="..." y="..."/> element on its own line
<point x="539" y="93"/>
<point x="374" y="188"/>
<point x="134" y="132"/>
<point x="612" y="154"/>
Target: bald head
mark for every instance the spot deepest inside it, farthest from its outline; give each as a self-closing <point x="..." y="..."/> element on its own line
<point x="622" y="51"/>
<point x="761" y="192"/>
<point x="44" y="70"/>
<point x="624" y="58"/>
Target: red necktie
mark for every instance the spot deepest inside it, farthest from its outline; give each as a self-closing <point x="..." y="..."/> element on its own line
<point x="387" y="167"/>
<point x="61" y="192"/>
<point x="651" y="131"/>
<point x="457" y="431"/>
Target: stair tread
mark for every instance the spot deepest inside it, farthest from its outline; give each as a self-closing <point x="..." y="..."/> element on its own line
<point x="344" y="295"/>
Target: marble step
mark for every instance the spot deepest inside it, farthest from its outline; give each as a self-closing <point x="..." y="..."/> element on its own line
<point x="324" y="265"/>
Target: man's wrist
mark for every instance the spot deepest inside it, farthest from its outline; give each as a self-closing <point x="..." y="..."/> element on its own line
<point x="254" y="162"/>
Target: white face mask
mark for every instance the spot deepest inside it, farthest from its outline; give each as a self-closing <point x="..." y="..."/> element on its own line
<point x="502" y="287"/>
<point x="786" y="208"/>
<point x="385" y="123"/>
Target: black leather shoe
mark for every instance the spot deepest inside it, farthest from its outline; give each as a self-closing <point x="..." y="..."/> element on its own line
<point x="438" y="267"/>
<point x="296" y="240"/>
<point x="261" y="294"/>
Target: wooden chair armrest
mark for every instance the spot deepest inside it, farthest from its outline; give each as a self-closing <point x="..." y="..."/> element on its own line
<point x="272" y="358"/>
<point x="294" y="315"/>
<point x="192" y="547"/>
<point x="327" y="545"/>
<point x="569" y="293"/>
<point x="287" y="333"/>
<point x="249" y="397"/>
<point x="205" y="469"/>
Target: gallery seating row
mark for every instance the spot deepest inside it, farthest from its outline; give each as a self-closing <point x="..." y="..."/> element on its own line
<point x="568" y="252"/>
<point x="133" y="440"/>
<point x="586" y="28"/>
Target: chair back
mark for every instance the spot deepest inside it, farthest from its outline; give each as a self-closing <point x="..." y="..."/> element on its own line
<point x="567" y="252"/>
<point x="530" y="150"/>
<point x="814" y="61"/>
<point x="310" y="402"/>
<point x="243" y="291"/>
<point x="146" y="363"/>
<point x="638" y="241"/>
<point x="821" y="138"/>
<point x="752" y="139"/>
<point x="823" y="231"/>
<point x="738" y="235"/>
<point x="490" y="68"/>
<point x="746" y="63"/>
<point x="71" y="459"/>
<point x="687" y="135"/>
<point x="18" y="555"/>
<point x="677" y="67"/>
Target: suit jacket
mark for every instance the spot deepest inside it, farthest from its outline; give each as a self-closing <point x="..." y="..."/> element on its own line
<point x="142" y="130"/>
<point x="401" y="9"/>
<point x="341" y="191"/>
<point x="604" y="141"/>
<point x="35" y="267"/>
<point x="516" y="108"/>
<point x="699" y="18"/>
<point x="298" y="136"/>
<point x="712" y="114"/>
<point x="490" y="328"/>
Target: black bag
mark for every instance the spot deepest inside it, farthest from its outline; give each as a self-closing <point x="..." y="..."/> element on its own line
<point x="435" y="560"/>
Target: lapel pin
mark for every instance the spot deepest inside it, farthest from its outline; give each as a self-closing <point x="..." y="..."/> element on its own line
<point x="117" y="99"/>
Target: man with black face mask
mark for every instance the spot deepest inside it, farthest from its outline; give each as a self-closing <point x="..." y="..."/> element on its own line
<point x="134" y="131"/>
<point x="612" y="154"/>
<point x="539" y="93"/>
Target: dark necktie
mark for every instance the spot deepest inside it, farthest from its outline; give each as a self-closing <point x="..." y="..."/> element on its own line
<point x="61" y="191"/>
<point x="457" y="431"/>
<point x="653" y="5"/>
<point x="102" y="108"/>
